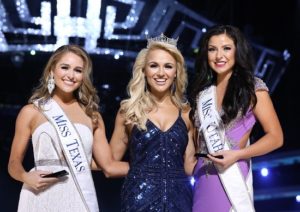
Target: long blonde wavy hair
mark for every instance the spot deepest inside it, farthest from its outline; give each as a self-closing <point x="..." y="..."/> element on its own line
<point x="140" y="100"/>
<point x="86" y="94"/>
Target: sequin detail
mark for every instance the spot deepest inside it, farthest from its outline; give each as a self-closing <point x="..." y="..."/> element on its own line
<point x="260" y="85"/>
<point x="156" y="180"/>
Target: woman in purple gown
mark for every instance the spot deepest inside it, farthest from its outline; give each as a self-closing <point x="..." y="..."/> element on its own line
<point x="228" y="100"/>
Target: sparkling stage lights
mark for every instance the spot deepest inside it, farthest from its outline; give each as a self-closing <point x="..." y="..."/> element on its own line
<point x="286" y="55"/>
<point x="264" y="172"/>
<point x="106" y="86"/>
<point x="298" y="198"/>
<point x="106" y="28"/>
<point x="192" y="181"/>
<point x="17" y="58"/>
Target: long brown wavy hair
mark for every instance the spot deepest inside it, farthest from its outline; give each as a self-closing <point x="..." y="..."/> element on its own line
<point x="86" y="94"/>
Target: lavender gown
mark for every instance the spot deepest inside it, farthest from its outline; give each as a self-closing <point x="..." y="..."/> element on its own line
<point x="209" y="194"/>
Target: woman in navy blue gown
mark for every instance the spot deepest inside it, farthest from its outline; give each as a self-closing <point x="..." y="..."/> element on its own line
<point x="153" y="123"/>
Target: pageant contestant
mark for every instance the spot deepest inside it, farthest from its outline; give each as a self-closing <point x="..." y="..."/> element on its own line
<point x="228" y="101"/>
<point x="153" y="123"/>
<point x="66" y="129"/>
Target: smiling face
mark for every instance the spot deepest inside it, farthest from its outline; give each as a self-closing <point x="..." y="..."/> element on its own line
<point x="221" y="55"/>
<point x="68" y="73"/>
<point x="160" y="71"/>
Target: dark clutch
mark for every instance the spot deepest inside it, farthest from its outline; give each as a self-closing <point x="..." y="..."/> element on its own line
<point x="201" y="155"/>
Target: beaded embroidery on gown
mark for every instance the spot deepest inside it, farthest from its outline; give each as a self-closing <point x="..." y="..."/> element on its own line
<point x="156" y="180"/>
<point x="62" y="196"/>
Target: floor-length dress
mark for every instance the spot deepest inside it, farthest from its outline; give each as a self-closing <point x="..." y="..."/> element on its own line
<point x="156" y="180"/>
<point x="62" y="196"/>
<point x="209" y="194"/>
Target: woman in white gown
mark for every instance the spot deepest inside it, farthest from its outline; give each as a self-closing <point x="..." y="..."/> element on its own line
<point x="67" y="133"/>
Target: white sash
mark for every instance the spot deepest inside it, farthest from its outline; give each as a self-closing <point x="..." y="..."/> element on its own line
<point x="71" y="145"/>
<point x="239" y="192"/>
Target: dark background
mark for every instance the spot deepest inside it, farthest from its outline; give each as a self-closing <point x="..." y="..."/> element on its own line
<point x="274" y="24"/>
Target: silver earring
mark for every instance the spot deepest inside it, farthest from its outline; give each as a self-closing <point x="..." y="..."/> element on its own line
<point x="80" y="96"/>
<point x="146" y="86"/>
<point x="173" y="88"/>
<point x="51" y="84"/>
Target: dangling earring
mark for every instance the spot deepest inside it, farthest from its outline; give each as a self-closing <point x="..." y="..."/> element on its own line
<point x="146" y="87"/>
<point x="51" y="84"/>
<point x="210" y="75"/>
<point x="80" y="96"/>
<point x="173" y="88"/>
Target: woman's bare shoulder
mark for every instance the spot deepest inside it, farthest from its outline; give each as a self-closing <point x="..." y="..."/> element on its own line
<point x="29" y="110"/>
<point x="28" y="115"/>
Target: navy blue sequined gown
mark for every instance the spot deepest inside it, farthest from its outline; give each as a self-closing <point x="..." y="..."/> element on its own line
<point x="156" y="180"/>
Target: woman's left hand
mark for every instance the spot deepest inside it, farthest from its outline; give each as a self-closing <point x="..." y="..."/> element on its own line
<point x="229" y="158"/>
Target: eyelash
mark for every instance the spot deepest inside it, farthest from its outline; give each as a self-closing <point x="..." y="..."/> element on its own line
<point x="166" y="66"/>
<point x="214" y="49"/>
<point x="66" y="68"/>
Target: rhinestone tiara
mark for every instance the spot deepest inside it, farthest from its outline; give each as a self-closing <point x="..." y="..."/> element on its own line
<point x="162" y="38"/>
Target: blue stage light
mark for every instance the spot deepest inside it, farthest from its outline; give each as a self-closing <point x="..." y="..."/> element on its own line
<point x="32" y="52"/>
<point x="106" y="86"/>
<point x="192" y="181"/>
<point x="264" y="172"/>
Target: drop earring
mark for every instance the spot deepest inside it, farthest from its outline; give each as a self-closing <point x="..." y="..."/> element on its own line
<point x="146" y="86"/>
<point x="173" y="88"/>
<point x="51" y="83"/>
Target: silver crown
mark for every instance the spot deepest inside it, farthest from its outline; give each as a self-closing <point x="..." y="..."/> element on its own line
<point x="162" y="38"/>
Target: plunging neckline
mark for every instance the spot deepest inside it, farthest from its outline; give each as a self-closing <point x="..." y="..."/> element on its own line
<point x="165" y="131"/>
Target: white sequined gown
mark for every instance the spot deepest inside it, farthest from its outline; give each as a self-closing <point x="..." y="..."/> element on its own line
<point x="62" y="196"/>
